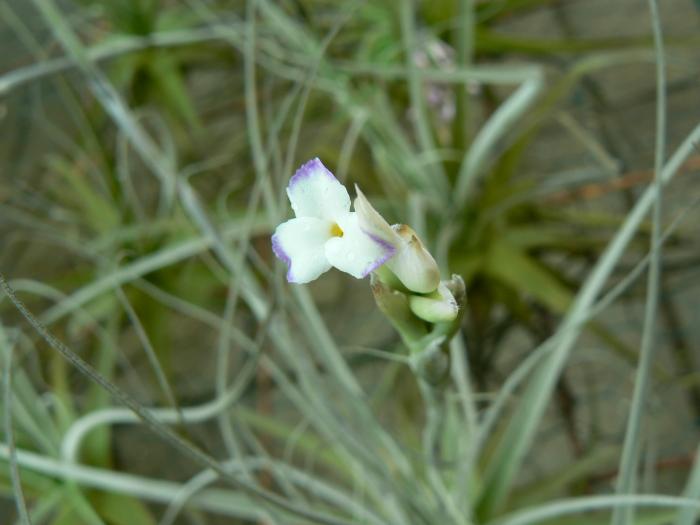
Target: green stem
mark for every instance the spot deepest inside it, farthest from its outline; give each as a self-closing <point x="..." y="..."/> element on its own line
<point x="632" y="443"/>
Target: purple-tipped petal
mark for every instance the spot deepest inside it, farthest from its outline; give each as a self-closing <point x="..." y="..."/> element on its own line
<point x="356" y="252"/>
<point x="388" y="249"/>
<point x="300" y="244"/>
<point x="311" y="168"/>
<point x="315" y="192"/>
<point x="282" y="255"/>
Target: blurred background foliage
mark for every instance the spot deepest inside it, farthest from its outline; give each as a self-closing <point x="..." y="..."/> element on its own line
<point x="146" y="147"/>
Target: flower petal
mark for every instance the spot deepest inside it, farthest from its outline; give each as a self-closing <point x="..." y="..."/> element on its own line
<point x="371" y="221"/>
<point x="300" y="244"/>
<point x="315" y="192"/>
<point x="356" y="252"/>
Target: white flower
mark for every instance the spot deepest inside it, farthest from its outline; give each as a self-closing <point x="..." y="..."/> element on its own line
<point x="412" y="265"/>
<point x="325" y="232"/>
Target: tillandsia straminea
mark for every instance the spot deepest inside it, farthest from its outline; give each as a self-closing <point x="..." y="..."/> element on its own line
<point x="404" y="277"/>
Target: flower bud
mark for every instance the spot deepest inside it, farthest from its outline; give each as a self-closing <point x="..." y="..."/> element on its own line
<point x="395" y="306"/>
<point x="412" y="264"/>
<point x="438" y="307"/>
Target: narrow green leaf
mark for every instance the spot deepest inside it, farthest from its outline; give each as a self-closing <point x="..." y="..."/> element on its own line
<point x="526" y="275"/>
<point x="118" y="509"/>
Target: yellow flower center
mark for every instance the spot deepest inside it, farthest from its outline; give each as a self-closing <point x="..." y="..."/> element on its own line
<point x="336" y="231"/>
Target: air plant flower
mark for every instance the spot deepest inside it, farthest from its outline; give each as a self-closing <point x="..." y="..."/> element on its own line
<point x="325" y="232"/>
<point x="405" y="278"/>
